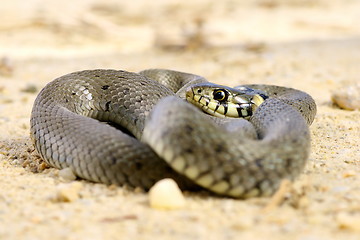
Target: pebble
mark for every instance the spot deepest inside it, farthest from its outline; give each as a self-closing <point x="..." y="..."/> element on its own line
<point x="166" y="195"/>
<point x="348" y="97"/>
<point x="67" y="174"/>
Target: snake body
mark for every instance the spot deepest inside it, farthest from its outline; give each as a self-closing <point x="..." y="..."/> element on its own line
<point x="155" y="134"/>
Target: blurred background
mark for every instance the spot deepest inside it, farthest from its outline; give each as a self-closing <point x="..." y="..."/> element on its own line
<point x="87" y="27"/>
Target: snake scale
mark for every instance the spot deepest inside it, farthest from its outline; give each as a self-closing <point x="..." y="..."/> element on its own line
<point x="119" y="127"/>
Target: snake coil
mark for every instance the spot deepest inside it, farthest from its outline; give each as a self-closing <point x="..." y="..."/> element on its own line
<point x="164" y="136"/>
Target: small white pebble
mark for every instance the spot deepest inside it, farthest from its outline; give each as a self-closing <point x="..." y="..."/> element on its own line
<point x="166" y="195"/>
<point x="348" y="97"/>
<point x="67" y="174"/>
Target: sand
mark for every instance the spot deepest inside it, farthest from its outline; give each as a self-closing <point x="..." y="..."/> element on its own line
<point x="310" y="45"/>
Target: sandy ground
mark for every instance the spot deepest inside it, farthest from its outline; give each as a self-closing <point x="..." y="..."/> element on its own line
<point x="310" y="45"/>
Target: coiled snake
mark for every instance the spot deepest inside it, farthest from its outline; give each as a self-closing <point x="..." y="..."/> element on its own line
<point x="153" y="133"/>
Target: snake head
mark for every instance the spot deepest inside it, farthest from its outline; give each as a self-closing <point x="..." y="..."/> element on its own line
<point x="223" y="101"/>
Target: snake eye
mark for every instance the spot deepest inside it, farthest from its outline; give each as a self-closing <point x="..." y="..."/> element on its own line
<point x="220" y="95"/>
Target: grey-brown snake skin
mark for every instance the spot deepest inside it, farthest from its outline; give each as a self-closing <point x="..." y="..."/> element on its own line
<point x="171" y="137"/>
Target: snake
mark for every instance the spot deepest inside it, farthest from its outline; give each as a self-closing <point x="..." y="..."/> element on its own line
<point x="125" y="128"/>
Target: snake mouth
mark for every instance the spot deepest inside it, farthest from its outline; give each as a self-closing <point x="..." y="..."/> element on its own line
<point x="256" y="101"/>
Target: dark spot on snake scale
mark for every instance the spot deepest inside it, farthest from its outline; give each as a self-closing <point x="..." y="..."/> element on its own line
<point x="138" y="165"/>
<point x="258" y="163"/>
<point x="97" y="76"/>
<point x="188" y="129"/>
<point x="105" y="87"/>
<point x="140" y="99"/>
<point x="73" y="93"/>
<point x="113" y="160"/>
<point x="107" y="106"/>
<point x="258" y="185"/>
<point x="126" y="91"/>
<point x="219" y="148"/>
<point x="288" y="163"/>
<point x="188" y="150"/>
